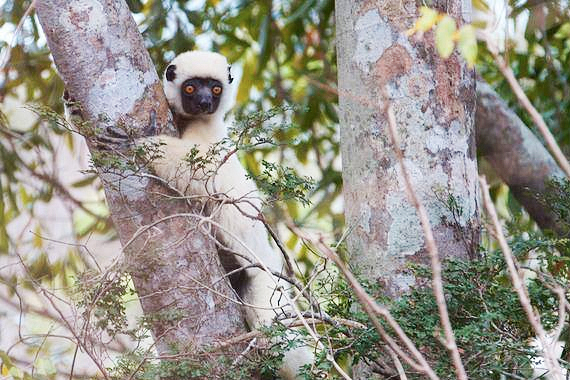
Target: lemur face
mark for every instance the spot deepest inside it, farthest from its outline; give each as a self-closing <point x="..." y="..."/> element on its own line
<point x="197" y="85"/>
<point x="201" y="95"/>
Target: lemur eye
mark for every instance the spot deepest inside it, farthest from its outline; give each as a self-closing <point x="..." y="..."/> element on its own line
<point x="189" y="89"/>
<point x="216" y="90"/>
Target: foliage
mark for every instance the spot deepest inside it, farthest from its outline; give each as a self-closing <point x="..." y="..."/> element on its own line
<point x="538" y="56"/>
<point x="490" y="326"/>
<point x="281" y="183"/>
<point x="491" y="329"/>
<point x="137" y="366"/>
<point x="557" y="197"/>
<point x="103" y="299"/>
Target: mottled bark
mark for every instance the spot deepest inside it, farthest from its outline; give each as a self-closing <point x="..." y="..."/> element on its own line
<point x="434" y="102"/>
<point x="516" y="155"/>
<point x="100" y="55"/>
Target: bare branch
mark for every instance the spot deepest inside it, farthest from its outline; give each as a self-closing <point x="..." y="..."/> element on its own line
<point x="372" y="308"/>
<point x="533" y="318"/>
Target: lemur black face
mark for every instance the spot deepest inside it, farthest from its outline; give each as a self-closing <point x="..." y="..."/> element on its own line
<point x="201" y="95"/>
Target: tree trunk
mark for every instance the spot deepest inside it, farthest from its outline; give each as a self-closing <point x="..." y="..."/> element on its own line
<point x="434" y="102"/>
<point x="517" y="156"/>
<point x="101" y="57"/>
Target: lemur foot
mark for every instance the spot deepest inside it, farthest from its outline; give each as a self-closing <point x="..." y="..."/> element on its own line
<point x="112" y="138"/>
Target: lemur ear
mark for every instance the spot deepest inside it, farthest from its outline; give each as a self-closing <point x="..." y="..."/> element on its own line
<point x="171" y="73"/>
<point x="230" y="78"/>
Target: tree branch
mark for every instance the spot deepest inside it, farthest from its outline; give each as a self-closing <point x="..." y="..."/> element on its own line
<point x="516" y="155"/>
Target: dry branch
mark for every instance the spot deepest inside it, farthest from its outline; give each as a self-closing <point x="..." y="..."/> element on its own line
<point x="534" y="319"/>
<point x="372" y="308"/>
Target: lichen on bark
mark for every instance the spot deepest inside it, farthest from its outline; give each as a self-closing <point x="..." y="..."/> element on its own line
<point x="434" y="103"/>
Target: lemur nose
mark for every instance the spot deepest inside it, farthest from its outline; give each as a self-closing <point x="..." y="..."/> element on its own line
<point x="205" y="105"/>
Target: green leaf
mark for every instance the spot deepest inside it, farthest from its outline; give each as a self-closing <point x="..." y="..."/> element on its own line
<point x="135" y="6"/>
<point x="264" y="43"/>
<point x="45" y="366"/>
<point x="467" y="44"/>
<point x="444" y="36"/>
<point x="563" y="32"/>
<point x="88" y="180"/>
<point x="247" y="79"/>
<point x="4" y="239"/>
<point x="16" y="373"/>
<point x="6" y="361"/>
<point x="37" y="240"/>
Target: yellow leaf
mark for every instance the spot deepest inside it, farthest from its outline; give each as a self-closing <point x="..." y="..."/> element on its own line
<point x="467" y="44"/>
<point x="4" y="370"/>
<point x="444" y="36"/>
<point x="481" y="5"/>
<point x="37" y="240"/>
<point x="563" y="32"/>
<point x="428" y="18"/>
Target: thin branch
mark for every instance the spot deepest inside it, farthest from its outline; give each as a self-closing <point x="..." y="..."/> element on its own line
<point x="49" y="297"/>
<point x="397" y="364"/>
<point x="6" y="53"/>
<point x="533" y="318"/>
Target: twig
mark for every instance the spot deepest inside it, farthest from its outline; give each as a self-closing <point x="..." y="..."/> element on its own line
<point x="5" y="56"/>
<point x="534" y="320"/>
<point x="397" y="364"/>
<point x="50" y="298"/>
<point x="242" y="354"/>
<point x="437" y="281"/>
<point x="73" y="361"/>
<point x="288" y="300"/>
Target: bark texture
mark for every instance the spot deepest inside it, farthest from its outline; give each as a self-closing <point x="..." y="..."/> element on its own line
<point x="101" y="57"/>
<point x="516" y="155"/>
<point x="434" y="102"/>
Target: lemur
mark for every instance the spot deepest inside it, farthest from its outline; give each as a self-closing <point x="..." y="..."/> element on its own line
<point x="197" y="87"/>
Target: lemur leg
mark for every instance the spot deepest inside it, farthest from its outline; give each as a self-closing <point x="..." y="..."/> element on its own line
<point x="265" y="292"/>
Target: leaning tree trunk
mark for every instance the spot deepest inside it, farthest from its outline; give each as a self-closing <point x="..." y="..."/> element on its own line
<point x="101" y="57"/>
<point x="434" y="102"/>
<point x="517" y="156"/>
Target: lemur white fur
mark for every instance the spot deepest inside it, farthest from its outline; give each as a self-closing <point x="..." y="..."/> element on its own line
<point x="201" y="131"/>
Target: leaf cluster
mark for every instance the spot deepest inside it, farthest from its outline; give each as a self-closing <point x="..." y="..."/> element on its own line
<point x="102" y="300"/>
